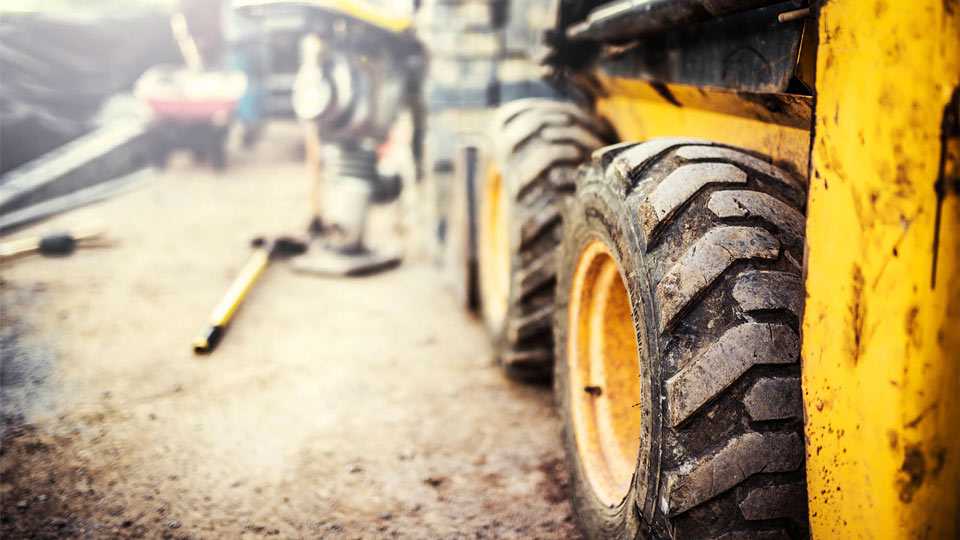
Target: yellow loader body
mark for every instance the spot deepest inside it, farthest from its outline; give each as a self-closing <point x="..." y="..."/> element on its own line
<point x="881" y="329"/>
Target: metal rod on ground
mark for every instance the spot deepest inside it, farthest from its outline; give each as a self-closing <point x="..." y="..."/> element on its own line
<point x="264" y="252"/>
<point x="52" y="244"/>
<point x="221" y="315"/>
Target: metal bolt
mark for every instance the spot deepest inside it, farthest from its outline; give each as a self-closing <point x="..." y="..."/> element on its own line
<point x="593" y="390"/>
<point x="794" y="15"/>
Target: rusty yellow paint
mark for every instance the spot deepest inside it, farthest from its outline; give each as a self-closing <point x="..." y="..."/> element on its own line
<point x="776" y="125"/>
<point x="881" y="332"/>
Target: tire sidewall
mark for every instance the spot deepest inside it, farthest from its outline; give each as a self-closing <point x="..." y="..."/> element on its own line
<point x="600" y="214"/>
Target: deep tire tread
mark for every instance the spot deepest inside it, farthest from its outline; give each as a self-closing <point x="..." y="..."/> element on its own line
<point x="756" y="278"/>
<point x="539" y="143"/>
<point x="720" y="232"/>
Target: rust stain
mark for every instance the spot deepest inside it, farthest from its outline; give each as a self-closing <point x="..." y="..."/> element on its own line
<point x="948" y="170"/>
<point x="913" y="423"/>
<point x="856" y="311"/>
<point x="665" y="93"/>
<point x="912" y="472"/>
<point x="913" y="332"/>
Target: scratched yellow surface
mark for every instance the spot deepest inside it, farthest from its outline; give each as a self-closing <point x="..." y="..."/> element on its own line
<point x="881" y="337"/>
<point x="637" y="111"/>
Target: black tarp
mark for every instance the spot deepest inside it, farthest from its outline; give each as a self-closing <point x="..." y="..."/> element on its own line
<point x="57" y="71"/>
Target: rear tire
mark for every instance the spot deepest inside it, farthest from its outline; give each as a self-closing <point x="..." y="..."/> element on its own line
<point x="676" y="330"/>
<point x="538" y="145"/>
<point x="460" y="240"/>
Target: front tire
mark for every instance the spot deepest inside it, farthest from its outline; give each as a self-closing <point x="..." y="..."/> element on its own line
<point x="676" y="331"/>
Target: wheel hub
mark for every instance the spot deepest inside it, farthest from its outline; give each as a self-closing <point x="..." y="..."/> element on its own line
<point x="604" y="377"/>
<point x="494" y="240"/>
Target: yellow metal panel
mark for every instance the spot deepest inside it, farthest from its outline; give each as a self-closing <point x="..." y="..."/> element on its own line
<point x="881" y="331"/>
<point x="372" y="14"/>
<point x="777" y="125"/>
<point x="375" y="15"/>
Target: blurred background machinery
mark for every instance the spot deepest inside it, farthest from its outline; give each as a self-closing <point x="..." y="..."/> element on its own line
<point x="358" y="66"/>
<point x="483" y="53"/>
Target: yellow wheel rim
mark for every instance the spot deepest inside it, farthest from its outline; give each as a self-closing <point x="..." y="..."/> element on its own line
<point x="494" y="249"/>
<point x="603" y="368"/>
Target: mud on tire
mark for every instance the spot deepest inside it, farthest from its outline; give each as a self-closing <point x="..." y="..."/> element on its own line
<point x="538" y="145"/>
<point x="708" y="241"/>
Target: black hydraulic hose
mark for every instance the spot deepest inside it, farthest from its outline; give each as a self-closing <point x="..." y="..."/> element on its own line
<point x="628" y="19"/>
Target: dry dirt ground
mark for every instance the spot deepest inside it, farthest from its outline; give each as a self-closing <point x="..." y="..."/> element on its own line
<point x="363" y="408"/>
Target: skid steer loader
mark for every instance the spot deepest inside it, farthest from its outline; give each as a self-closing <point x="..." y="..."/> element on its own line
<point x="732" y="237"/>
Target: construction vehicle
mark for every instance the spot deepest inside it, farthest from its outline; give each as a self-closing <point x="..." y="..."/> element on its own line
<point x="728" y="230"/>
<point x="359" y="67"/>
<point x="732" y="237"/>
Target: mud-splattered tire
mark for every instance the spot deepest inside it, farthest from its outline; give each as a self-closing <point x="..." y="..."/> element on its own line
<point x="538" y="145"/>
<point x="678" y="305"/>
